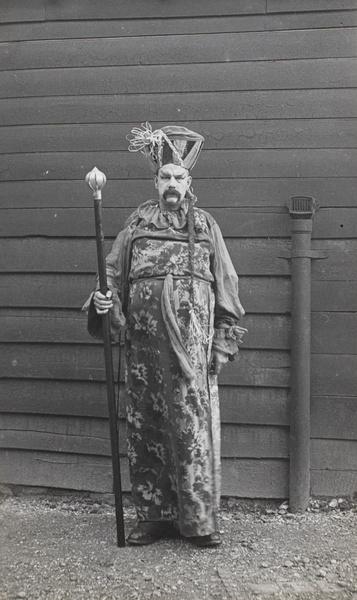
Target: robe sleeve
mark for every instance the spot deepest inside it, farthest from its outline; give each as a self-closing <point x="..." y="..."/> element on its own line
<point x="228" y="309"/>
<point x="117" y="268"/>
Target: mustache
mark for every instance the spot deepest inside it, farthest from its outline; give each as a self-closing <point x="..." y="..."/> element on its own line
<point x="171" y="192"/>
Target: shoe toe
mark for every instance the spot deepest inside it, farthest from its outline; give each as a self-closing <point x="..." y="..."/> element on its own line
<point x="207" y="541"/>
<point x="146" y="532"/>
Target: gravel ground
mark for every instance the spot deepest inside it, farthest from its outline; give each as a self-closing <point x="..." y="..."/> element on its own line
<point x="61" y="545"/>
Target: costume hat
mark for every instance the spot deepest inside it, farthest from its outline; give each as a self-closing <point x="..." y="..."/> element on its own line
<point x="170" y="144"/>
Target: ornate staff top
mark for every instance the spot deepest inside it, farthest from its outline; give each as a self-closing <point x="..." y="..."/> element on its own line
<point x="96" y="181"/>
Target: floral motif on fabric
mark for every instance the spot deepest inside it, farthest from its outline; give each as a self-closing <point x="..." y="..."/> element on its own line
<point x="174" y="468"/>
<point x="157" y="258"/>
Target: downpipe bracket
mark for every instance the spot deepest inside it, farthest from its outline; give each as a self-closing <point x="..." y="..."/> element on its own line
<point x="314" y="254"/>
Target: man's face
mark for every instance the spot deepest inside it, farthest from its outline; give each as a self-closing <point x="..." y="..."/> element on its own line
<point x="172" y="183"/>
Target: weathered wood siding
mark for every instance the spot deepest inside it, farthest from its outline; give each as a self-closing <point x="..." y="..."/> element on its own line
<point x="271" y="85"/>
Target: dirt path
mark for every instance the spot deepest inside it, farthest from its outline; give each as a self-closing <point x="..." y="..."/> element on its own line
<point x="62" y="546"/>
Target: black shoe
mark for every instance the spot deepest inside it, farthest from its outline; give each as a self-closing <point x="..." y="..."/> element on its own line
<point x="148" y="532"/>
<point x="207" y="541"/>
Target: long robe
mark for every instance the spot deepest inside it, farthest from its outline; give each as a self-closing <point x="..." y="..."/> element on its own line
<point x="173" y="422"/>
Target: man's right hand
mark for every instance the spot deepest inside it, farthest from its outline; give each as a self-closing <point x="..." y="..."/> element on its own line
<point x="103" y="303"/>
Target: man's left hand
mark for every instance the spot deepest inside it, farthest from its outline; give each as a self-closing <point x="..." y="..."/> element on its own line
<point x="218" y="360"/>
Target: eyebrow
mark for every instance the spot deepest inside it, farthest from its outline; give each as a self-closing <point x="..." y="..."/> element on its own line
<point x="179" y="175"/>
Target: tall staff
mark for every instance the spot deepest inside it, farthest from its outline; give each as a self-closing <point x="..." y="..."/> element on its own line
<point x="96" y="181"/>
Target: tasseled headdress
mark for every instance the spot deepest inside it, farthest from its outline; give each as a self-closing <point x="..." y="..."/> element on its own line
<point x="171" y="144"/>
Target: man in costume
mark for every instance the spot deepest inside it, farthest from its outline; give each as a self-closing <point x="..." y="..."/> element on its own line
<point x="172" y="283"/>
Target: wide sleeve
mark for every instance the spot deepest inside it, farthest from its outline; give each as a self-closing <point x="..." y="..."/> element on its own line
<point x="117" y="268"/>
<point x="228" y="308"/>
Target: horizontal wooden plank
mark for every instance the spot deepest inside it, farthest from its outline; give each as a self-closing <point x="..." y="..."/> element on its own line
<point x="263" y="368"/>
<point x="178" y="49"/>
<point x="167" y="108"/>
<point x="60" y="470"/>
<point x="245" y="478"/>
<point x="161" y="79"/>
<point x="222" y="135"/>
<point x="334" y="333"/>
<point x="54" y="362"/>
<point x="68" y="326"/>
<point x="41" y="255"/>
<point x="81" y="362"/>
<point x="45" y="290"/>
<point x="334" y="455"/>
<point x="228" y="192"/>
<point x="333" y="483"/>
<point x="339" y="296"/>
<point x="234" y="222"/>
<point x="333" y="375"/>
<point x="91" y="436"/>
<point x="69" y="9"/>
<point x="51" y="30"/>
<point x="339" y="264"/>
<point x="308" y="5"/>
<point x="79" y="223"/>
<point x="250" y="257"/>
<point x="258" y="406"/>
<point x="254" y="406"/>
<point x="21" y="11"/>
<point x="59" y="434"/>
<point x="335" y="223"/>
<point x="313" y="20"/>
<point x="52" y="397"/>
<point x="268" y="163"/>
<point x="334" y="417"/>
<point x="258" y="294"/>
<point x="265" y="294"/>
<point x="254" y="442"/>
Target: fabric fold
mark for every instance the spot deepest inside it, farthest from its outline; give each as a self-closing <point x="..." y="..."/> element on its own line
<point x="174" y="331"/>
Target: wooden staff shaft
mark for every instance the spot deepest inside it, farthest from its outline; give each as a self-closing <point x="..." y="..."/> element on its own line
<point x="108" y="356"/>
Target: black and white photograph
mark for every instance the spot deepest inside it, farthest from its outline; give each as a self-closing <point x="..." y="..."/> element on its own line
<point x="178" y="300"/>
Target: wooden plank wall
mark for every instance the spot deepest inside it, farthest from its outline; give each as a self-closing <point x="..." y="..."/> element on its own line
<point x="271" y="85"/>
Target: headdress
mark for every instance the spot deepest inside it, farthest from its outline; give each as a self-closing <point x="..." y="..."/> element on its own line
<point x="170" y="144"/>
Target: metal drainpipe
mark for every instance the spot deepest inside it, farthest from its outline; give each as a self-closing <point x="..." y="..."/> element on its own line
<point x="301" y="210"/>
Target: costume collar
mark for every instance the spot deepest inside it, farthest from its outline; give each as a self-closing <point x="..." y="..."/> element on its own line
<point x="151" y="213"/>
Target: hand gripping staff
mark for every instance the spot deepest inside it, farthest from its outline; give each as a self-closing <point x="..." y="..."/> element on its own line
<point x="96" y="181"/>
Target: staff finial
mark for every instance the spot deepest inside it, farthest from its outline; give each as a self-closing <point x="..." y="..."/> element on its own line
<point x="96" y="181"/>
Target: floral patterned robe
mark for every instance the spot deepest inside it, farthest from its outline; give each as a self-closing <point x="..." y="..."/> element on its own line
<point x="173" y="418"/>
